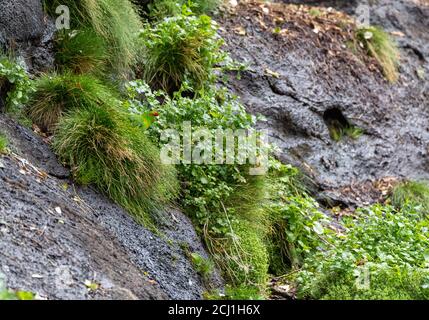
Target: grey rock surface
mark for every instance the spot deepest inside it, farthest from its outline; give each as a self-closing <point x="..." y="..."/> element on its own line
<point x="313" y="83"/>
<point x="54" y="235"/>
<point x="26" y="30"/>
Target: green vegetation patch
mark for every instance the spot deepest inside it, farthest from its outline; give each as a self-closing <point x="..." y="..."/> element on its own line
<point x="296" y="223"/>
<point x="81" y="52"/>
<point x="379" y="45"/>
<point x="382" y="254"/>
<point x="202" y="265"/>
<point x="178" y="49"/>
<point x="14" y="83"/>
<point x="160" y="9"/>
<point x="414" y="193"/>
<point x="57" y="94"/>
<point x="115" y="21"/>
<point x="223" y="201"/>
<point x="104" y="149"/>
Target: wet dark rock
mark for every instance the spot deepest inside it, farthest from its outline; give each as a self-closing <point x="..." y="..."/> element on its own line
<point x="54" y="235"/>
<point x="26" y="144"/>
<point x="25" y="29"/>
<point x="51" y="244"/>
<point x="162" y="257"/>
<point x="316" y="75"/>
<point x="143" y="6"/>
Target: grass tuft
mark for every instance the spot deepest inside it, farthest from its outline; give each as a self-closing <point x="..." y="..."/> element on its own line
<point x="56" y="94"/>
<point x="178" y="49"/>
<point x="246" y="257"/>
<point x="81" y="52"/>
<point x="380" y="46"/>
<point x="415" y="193"/>
<point x="338" y="133"/>
<point x="104" y="149"/>
<point x="115" y="21"/>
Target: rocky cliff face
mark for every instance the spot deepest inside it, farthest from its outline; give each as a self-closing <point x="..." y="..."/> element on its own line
<point x="56" y="237"/>
<point x="25" y="29"/>
<point x="306" y="78"/>
<point x="61" y="241"/>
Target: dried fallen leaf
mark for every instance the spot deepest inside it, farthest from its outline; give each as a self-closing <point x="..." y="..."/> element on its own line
<point x="272" y="73"/>
<point x="397" y="34"/>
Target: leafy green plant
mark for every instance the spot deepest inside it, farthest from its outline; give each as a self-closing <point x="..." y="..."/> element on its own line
<point x="6" y="294"/>
<point x="392" y="283"/>
<point x="14" y="81"/>
<point x="223" y="201"/>
<point x="178" y="49"/>
<point x="115" y="21"/>
<point x="205" y="185"/>
<point x="388" y="246"/>
<point x="297" y="225"/>
<point x="414" y="193"/>
<point x="159" y="9"/>
<point x="81" y="51"/>
<point x="380" y="46"/>
<point x="202" y="265"/>
<point x="104" y="149"/>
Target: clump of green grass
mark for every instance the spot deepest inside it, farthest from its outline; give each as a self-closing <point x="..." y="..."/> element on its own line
<point x="116" y="21"/>
<point x="380" y="46"/>
<point x="81" y="51"/>
<point x="246" y="257"/>
<point x="337" y="133"/>
<point x="3" y="143"/>
<point x="105" y="150"/>
<point x="56" y="94"/>
<point x="415" y="193"/>
<point x="179" y="49"/>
